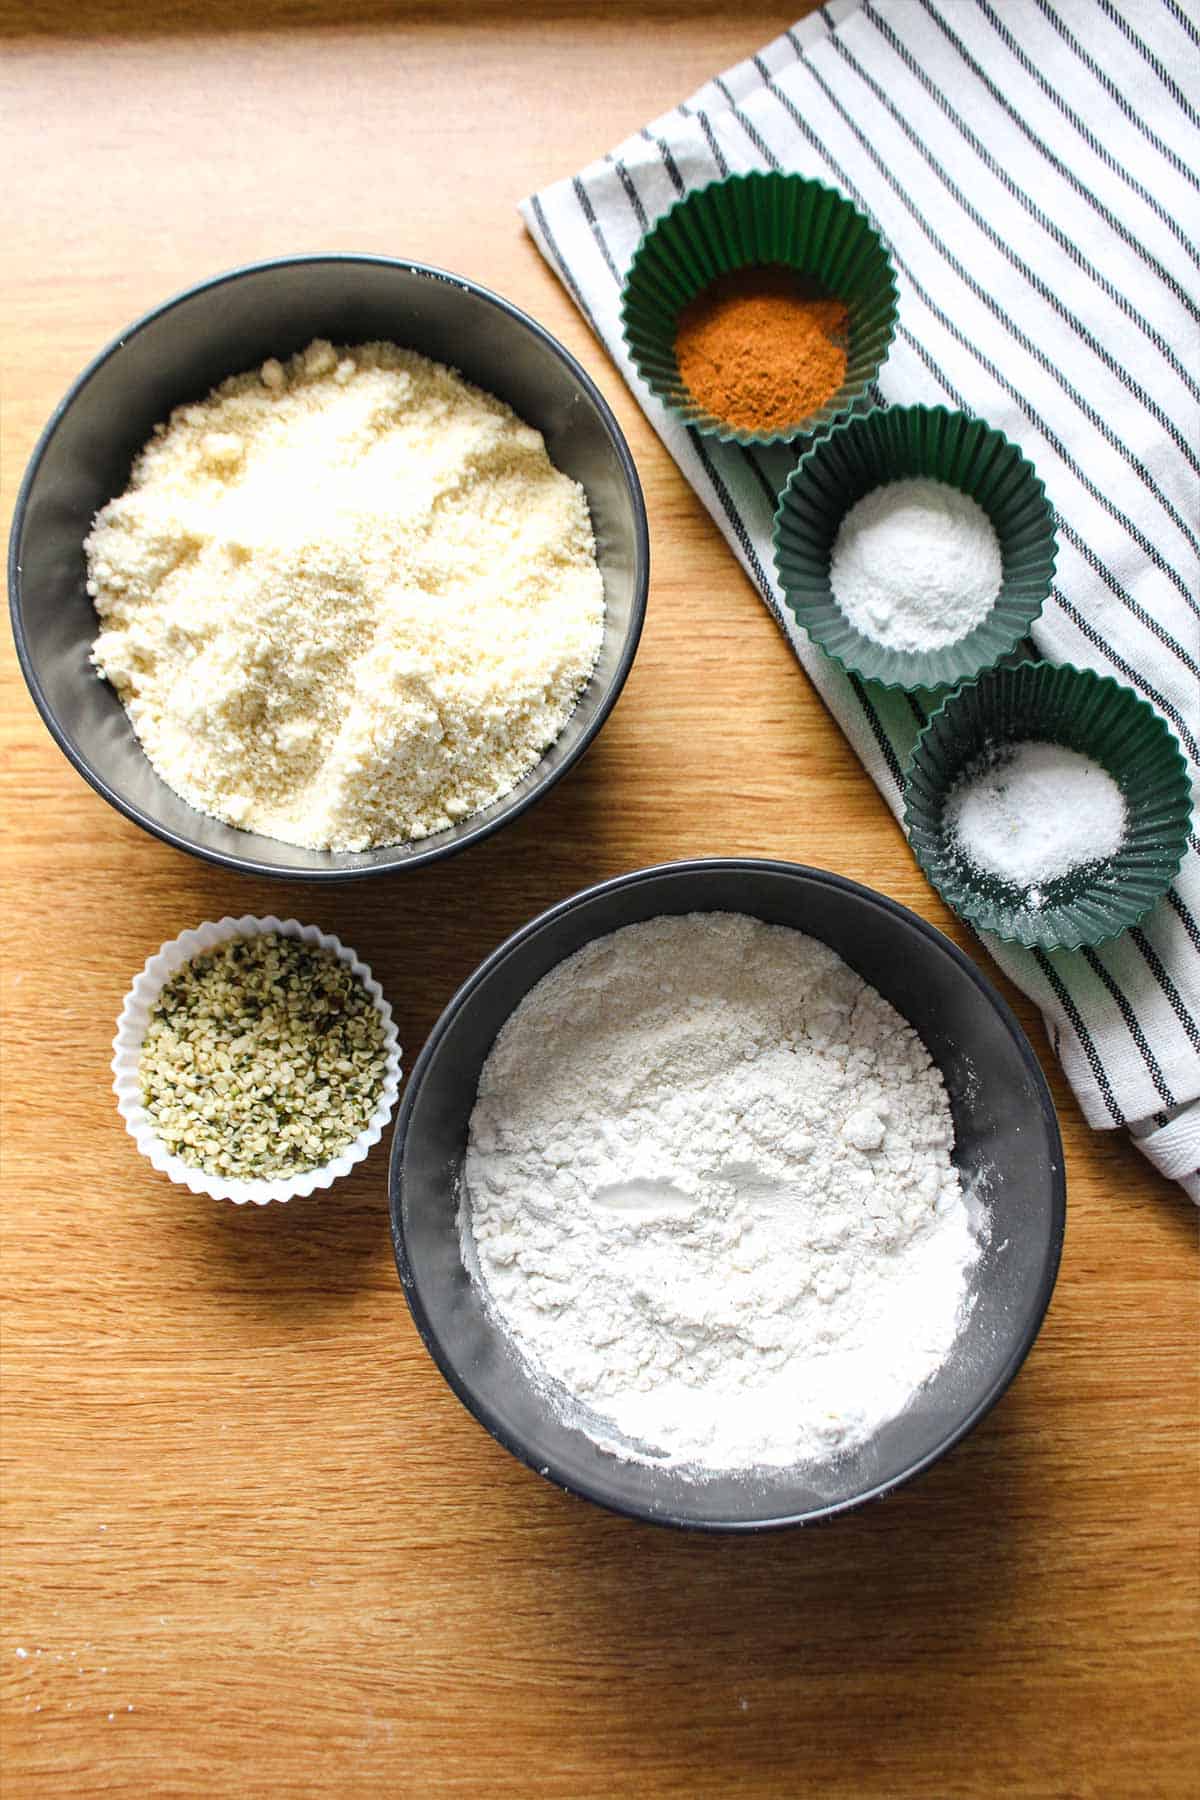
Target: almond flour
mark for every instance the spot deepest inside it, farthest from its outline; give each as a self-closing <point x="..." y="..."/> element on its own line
<point x="347" y="600"/>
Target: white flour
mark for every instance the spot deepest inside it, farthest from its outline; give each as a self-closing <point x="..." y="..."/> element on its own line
<point x="708" y="1192"/>
<point x="916" y="564"/>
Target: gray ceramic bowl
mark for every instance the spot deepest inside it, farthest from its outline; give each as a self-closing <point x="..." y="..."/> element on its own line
<point x="179" y="352"/>
<point x="1007" y="1137"/>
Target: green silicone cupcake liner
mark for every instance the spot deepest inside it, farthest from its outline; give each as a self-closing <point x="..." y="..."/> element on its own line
<point x="1089" y="713"/>
<point x="892" y="444"/>
<point x="747" y="221"/>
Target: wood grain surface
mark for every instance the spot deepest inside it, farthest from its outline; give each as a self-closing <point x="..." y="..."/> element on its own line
<point x="252" y="1543"/>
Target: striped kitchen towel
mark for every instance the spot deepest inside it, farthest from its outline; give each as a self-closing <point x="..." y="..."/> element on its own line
<point x="1033" y="165"/>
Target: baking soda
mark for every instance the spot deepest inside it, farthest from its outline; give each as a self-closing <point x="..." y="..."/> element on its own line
<point x="916" y="565"/>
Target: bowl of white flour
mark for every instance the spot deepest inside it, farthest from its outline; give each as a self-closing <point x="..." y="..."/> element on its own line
<point x="328" y="566"/>
<point x="728" y="1194"/>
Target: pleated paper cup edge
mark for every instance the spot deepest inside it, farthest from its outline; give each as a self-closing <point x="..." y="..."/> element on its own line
<point x="134" y="1017"/>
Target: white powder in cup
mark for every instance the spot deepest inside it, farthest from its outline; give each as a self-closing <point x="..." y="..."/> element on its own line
<point x="1034" y="811"/>
<point x="916" y="565"/>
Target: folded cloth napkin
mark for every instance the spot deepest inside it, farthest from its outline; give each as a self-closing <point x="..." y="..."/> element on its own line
<point x="1034" y="168"/>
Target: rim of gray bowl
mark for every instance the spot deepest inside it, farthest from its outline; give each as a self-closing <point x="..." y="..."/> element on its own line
<point x="246" y="865"/>
<point x="547" y="1467"/>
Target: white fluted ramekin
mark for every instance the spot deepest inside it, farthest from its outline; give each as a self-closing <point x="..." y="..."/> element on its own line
<point x="127" y="1050"/>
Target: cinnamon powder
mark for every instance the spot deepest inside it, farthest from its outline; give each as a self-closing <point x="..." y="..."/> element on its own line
<point x="760" y="350"/>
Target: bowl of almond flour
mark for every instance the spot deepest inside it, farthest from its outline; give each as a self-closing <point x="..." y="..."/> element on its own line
<point x="328" y="566"/>
<point x="728" y="1194"/>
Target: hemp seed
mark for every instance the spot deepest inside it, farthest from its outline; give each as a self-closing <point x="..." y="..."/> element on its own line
<point x="263" y="1057"/>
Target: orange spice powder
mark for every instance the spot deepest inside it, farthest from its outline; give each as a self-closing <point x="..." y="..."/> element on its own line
<point x="760" y="351"/>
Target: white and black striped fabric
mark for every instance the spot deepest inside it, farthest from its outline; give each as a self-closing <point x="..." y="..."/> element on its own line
<point x="1035" y="167"/>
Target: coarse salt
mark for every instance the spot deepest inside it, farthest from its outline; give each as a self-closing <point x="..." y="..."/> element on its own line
<point x="916" y="565"/>
<point x="1032" y="812"/>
